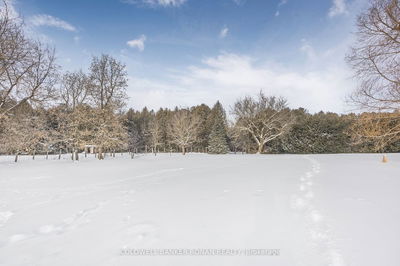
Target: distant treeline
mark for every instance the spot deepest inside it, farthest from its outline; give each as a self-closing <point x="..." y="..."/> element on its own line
<point x="46" y="110"/>
<point x="196" y="129"/>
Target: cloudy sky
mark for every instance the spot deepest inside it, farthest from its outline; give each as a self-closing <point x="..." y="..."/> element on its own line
<point x="187" y="52"/>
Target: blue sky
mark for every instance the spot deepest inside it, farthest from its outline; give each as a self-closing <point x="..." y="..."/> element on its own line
<point x="186" y="52"/>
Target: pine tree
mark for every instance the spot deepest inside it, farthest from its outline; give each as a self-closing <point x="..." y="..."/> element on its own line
<point x="203" y="112"/>
<point x="218" y="137"/>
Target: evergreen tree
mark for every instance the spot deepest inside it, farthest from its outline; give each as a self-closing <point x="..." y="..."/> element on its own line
<point x="218" y="137"/>
<point x="203" y="113"/>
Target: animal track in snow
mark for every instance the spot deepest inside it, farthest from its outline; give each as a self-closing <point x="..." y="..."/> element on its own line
<point x="316" y="216"/>
<point x="318" y="228"/>
<point x="68" y="224"/>
<point x="299" y="203"/>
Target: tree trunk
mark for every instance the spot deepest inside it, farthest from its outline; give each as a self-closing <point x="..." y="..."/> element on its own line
<point x="47" y="154"/>
<point x="183" y="150"/>
<point x="16" y="157"/>
<point x="59" y="155"/>
<point x="33" y="154"/>
<point x="100" y="154"/>
<point x="75" y="155"/>
<point x="260" y="149"/>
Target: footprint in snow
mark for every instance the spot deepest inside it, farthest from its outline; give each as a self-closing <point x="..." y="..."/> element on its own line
<point x="317" y="235"/>
<point x="335" y="258"/>
<point x="299" y="203"/>
<point x="316" y="217"/>
<point x="4" y="217"/>
<point x="69" y="223"/>
<point x="50" y="228"/>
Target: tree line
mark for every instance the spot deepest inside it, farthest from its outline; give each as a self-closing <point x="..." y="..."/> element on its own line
<point x="44" y="110"/>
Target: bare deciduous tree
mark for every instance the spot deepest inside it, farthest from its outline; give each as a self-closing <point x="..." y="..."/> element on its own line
<point x="265" y="118"/>
<point x="183" y="129"/>
<point x="99" y="127"/>
<point x="155" y="134"/>
<point x="109" y="82"/>
<point x="380" y="129"/>
<point x="27" y="70"/>
<point x="75" y="89"/>
<point x="109" y="134"/>
<point x="22" y="135"/>
<point x="375" y="57"/>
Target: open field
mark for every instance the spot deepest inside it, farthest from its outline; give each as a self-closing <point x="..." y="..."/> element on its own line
<point x="316" y="209"/>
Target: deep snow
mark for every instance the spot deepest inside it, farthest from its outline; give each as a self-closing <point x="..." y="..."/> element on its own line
<point x="316" y="209"/>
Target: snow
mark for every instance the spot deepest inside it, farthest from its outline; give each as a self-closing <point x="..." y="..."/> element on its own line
<point x="316" y="209"/>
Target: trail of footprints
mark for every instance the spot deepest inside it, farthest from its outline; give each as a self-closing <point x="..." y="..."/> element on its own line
<point x="66" y="225"/>
<point x="319" y="231"/>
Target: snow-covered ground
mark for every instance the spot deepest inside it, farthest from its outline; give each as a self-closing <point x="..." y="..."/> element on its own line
<point x="316" y="209"/>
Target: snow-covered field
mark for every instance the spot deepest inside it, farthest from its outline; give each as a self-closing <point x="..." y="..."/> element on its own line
<point x="316" y="209"/>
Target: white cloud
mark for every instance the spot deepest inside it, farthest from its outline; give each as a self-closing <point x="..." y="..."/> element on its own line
<point x="338" y="7"/>
<point x="281" y="3"/>
<point x="137" y="43"/>
<point x="224" y="32"/>
<point x="29" y="28"/>
<point x="50" y="21"/>
<point x="155" y="3"/>
<point x="230" y="76"/>
<point x="239" y="2"/>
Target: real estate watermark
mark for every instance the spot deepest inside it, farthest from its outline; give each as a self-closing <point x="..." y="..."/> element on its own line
<point x="199" y="252"/>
